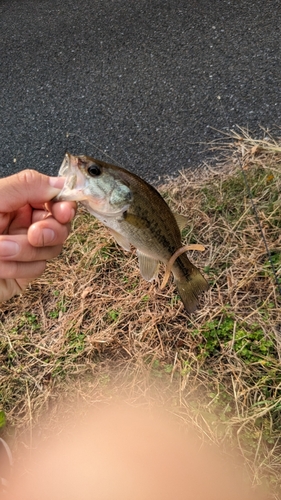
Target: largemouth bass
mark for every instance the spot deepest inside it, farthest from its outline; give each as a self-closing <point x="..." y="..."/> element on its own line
<point x="135" y="214"/>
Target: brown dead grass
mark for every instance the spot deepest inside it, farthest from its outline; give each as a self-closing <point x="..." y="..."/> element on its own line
<point x="91" y="329"/>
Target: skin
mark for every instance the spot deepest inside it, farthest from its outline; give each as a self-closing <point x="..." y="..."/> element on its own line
<point x="124" y="453"/>
<point x="32" y="228"/>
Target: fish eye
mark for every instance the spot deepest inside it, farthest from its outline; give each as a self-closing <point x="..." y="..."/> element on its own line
<point x="94" y="171"/>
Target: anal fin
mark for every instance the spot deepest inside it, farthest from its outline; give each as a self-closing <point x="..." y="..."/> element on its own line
<point x="182" y="220"/>
<point x="148" y="266"/>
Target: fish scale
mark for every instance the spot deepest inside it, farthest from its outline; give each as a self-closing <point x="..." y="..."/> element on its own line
<point x="137" y="215"/>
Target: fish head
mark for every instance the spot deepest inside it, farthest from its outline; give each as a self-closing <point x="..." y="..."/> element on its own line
<point x="95" y="184"/>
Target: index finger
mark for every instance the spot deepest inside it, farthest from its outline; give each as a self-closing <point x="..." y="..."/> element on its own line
<point x="28" y="187"/>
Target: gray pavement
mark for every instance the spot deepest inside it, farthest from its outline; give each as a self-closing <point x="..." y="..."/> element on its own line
<point x="144" y="81"/>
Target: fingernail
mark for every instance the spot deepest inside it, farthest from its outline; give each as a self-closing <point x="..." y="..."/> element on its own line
<point x="8" y="248"/>
<point x="57" y="182"/>
<point x="48" y="236"/>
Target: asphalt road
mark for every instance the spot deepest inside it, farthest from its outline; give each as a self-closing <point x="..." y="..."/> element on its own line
<point x="145" y="81"/>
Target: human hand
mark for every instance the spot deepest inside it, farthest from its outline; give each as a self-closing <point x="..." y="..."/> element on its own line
<point x="29" y="234"/>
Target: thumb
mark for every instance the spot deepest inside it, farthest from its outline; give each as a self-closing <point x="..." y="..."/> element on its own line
<point x="28" y="187"/>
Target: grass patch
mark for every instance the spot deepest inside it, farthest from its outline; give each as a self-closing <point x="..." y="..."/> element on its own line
<point x="90" y="325"/>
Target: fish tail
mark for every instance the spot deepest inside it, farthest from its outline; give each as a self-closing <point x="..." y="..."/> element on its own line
<point x="190" y="283"/>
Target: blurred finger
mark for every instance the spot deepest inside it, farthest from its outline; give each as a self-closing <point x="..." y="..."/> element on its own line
<point x="4" y="222"/>
<point x="21" y="270"/>
<point x="18" y="249"/>
<point x="27" y="187"/>
<point x="21" y="220"/>
<point x="48" y="232"/>
<point x="9" y="288"/>
<point x="63" y="211"/>
<point x="38" y="215"/>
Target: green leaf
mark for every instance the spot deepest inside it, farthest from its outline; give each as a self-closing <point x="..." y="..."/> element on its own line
<point x="2" y="419"/>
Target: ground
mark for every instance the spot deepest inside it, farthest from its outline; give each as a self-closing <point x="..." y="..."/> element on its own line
<point x="91" y="328"/>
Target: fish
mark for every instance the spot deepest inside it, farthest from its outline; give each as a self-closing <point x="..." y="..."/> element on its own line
<point x="136" y="215"/>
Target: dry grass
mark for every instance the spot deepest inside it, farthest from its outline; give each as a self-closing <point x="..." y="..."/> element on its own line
<point x="91" y="328"/>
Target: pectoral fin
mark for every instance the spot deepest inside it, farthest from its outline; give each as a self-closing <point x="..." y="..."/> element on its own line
<point x="121" y="240"/>
<point x="148" y="266"/>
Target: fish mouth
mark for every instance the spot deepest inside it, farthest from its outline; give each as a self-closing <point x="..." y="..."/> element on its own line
<point x="74" y="180"/>
<point x="74" y="190"/>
